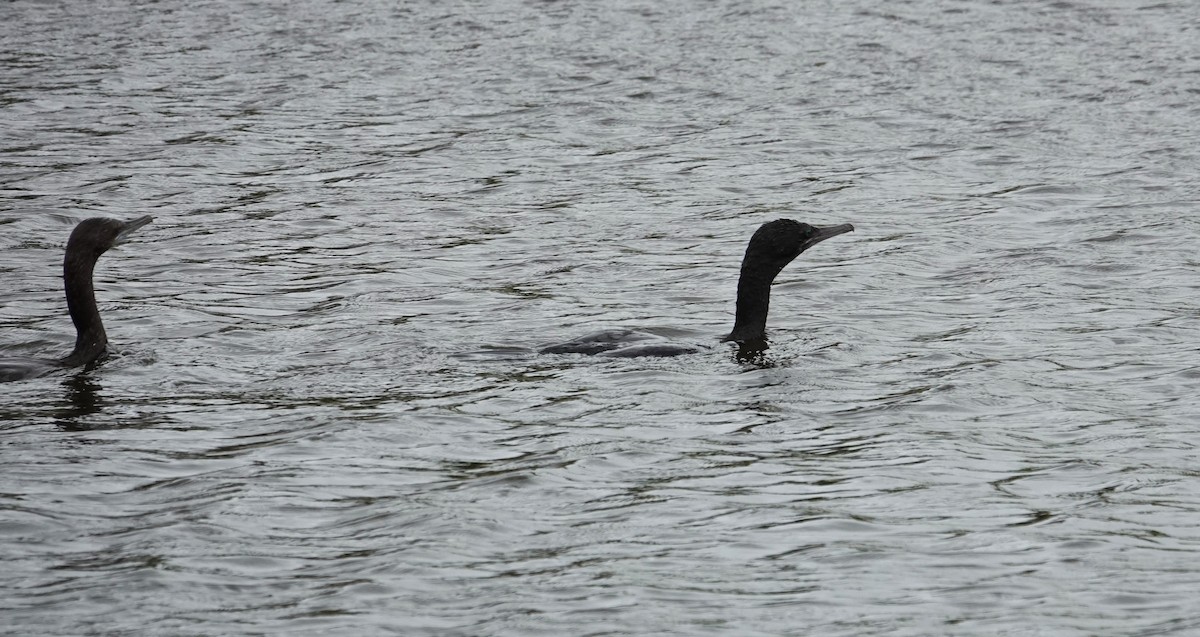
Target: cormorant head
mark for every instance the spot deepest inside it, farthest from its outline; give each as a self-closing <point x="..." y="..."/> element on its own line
<point x="778" y="242"/>
<point x="93" y="237"/>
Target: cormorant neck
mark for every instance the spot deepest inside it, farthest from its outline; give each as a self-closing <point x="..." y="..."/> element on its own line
<point x="90" y="338"/>
<point x="753" y="301"/>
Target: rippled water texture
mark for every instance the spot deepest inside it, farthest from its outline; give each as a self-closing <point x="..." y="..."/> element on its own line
<point x="978" y="415"/>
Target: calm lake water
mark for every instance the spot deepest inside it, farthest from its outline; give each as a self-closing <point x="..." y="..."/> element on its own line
<point x="979" y="415"/>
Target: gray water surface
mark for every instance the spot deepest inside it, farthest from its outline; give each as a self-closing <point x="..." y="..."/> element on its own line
<point x="979" y="415"/>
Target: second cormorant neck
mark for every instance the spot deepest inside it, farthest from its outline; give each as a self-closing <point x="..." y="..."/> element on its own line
<point x="753" y="302"/>
<point x="90" y="339"/>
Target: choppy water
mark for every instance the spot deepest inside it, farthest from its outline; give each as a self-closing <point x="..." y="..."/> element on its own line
<point x="980" y="411"/>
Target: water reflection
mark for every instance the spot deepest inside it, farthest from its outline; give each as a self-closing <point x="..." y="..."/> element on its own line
<point x="82" y="399"/>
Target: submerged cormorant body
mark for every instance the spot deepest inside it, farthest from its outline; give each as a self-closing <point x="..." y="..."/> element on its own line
<point x="90" y="239"/>
<point x="774" y="245"/>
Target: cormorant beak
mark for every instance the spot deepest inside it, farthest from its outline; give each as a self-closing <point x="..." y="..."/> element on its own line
<point x="825" y="233"/>
<point x="130" y="227"/>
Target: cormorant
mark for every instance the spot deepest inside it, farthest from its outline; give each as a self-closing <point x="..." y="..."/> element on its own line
<point x="774" y="245"/>
<point x="90" y="239"/>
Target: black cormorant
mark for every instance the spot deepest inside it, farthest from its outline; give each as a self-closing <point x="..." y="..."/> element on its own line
<point x="774" y="245"/>
<point x="90" y="239"/>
